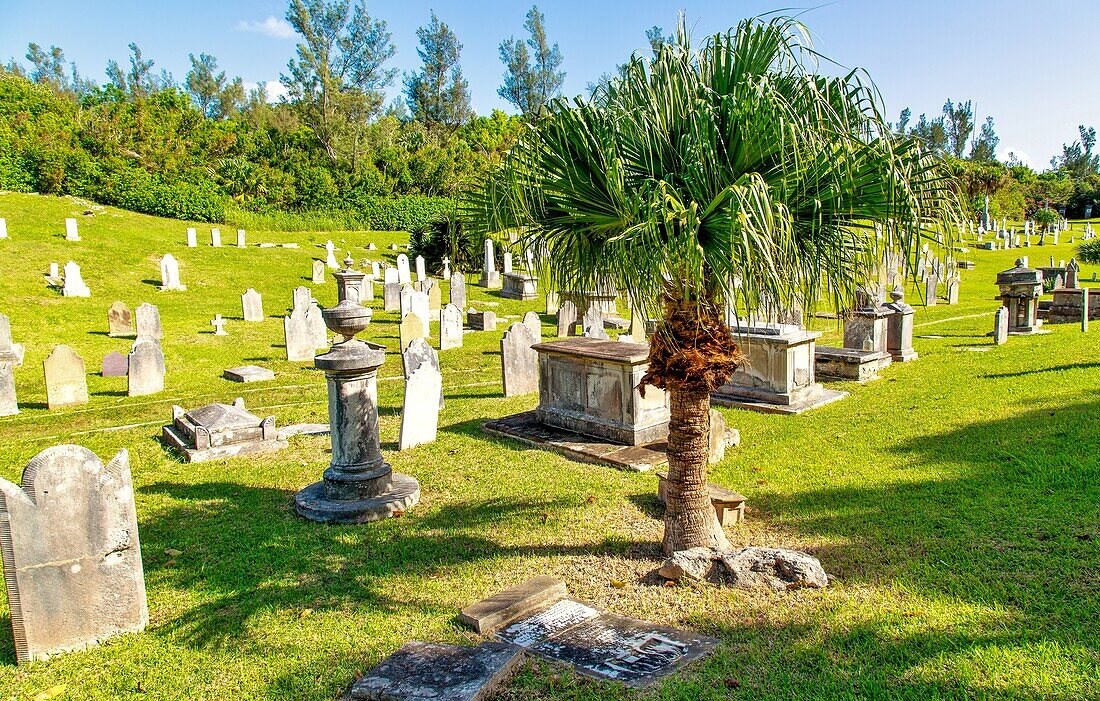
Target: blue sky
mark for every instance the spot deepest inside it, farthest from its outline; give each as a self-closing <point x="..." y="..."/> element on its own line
<point x="1032" y="66"/>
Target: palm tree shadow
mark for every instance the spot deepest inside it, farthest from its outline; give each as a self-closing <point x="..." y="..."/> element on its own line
<point x="1036" y="371"/>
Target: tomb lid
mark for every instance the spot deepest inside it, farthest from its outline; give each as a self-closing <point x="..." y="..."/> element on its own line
<point x="1019" y="275"/>
<point x="597" y="348"/>
<point x="222" y="417"/>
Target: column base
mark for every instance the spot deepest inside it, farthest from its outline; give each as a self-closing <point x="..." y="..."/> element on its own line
<point x="314" y="504"/>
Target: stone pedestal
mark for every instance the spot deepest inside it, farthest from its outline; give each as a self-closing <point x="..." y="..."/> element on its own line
<point x="1020" y="289"/>
<point x="899" y="327"/>
<point x="519" y="286"/>
<point x="777" y="375"/>
<point x="359" y="486"/>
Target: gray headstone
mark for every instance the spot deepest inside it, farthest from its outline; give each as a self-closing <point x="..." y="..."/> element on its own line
<point x="72" y="560"/>
<point x="216" y="238"/>
<point x="519" y="362"/>
<point x="66" y="383"/>
<point x="147" y="318"/>
<point x="406" y="298"/>
<point x="420" y="412"/>
<point x="1000" y="326"/>
<point x="567" y="319"/>
<point x="391" y="296"/>
<point x="252" y="305"/>
<point x="534" y="324"/>
<point x="434" y="672"/>
<point x="298" y="336"/>
<point x="115" y="364"/>
<point x="9" y="358"/>
<point x="146" y="368"/>
<point x="450" y="327"/>
<point x="316" y="322"/>
<point x="593" y="323"/>
<point x="458" y="290"/>
<point x="120" y="322"/>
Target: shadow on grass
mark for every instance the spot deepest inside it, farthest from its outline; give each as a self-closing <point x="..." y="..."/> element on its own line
<point x="1036" y="371"/>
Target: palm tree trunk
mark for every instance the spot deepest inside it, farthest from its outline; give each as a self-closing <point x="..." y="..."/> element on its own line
<point x="690" y="519"/>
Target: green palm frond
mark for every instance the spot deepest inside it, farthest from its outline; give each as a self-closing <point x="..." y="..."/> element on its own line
<point x="730" y="172"/>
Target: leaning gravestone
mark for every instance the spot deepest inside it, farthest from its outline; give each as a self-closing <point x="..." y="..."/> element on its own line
<point x="115" y="364"/>
<point x="458" y="290"/>
<point x="148" y="322"/>
<point x="567" y="319"/>
<point x="66" y="383"/>
<point x="72" y="560"/>
<point x="519" y="361"/>
<point x="450" y="327"/>
<point x="120" y="322"/>
<point x="420" y="412"/>
<point x="145" y="373"/>
<point x="252" y="305"/>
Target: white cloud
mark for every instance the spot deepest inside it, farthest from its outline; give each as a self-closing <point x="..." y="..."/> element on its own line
<point x="274" y="90"/>
<point x="273" y="27"/>
<point x="1003" y="151"/>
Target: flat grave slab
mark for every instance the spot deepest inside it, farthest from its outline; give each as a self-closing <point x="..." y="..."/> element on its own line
<point x="433" y="672"/>
<point x="248" y="373"/>
<point x="820" y="399"/>
<point x="303" y="430"/>
<point x="526" y="428"/>
<point x="487" y="615"/>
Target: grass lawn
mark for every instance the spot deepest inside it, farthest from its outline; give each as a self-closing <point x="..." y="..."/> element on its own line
<point x="955" y="502"/>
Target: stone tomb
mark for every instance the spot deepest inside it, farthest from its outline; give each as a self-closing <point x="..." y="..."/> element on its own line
<point x="66" y="383"/>
<point x="865" y="341"/>
<point x="899" y="327"/>
<point x="218" y="431"/>
<point x="777" y="375"/>
<point x="248" y="373"/>
<point x="72" y="560"/>
<point x="519" y="286"/>
<point x="594" y="643"/>
<point x="590" y="408"/>
<point x="1067" y="307"/>
<point x="1020" y="289"/>
<point x="424" y="671"/>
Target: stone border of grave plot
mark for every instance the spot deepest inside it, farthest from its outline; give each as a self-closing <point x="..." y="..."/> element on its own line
<point x="827" y="396"/>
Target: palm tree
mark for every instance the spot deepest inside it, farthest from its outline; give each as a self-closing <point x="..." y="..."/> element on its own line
<point x="715" y="176"/>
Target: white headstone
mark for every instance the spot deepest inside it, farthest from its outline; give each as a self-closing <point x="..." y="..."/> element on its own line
<point x="593" y="323"/>
<point x="403" y="275"/>
<point x="216" y="238"/>
<point x="458" y="290"/>
<point x="71" y="233"/>
<point x="450" y="327"/>
<point x="420" y="411"/>
<point x="507" y="262"/>
<point x="330" y="255"/>
<point x="318" y="272"/>
<point x="240" y="238"/>
<point x="252" y="305"/>
<point x="219" y="325"/>
<point x="418" y="305"/>
<point x="74" y="283"/>
<point x="3" y="228"/>
<point x="192" y="237"/>
<point x="170" y="273"/>
<point x="421" y="273"/>
<point x="519" y="362"/>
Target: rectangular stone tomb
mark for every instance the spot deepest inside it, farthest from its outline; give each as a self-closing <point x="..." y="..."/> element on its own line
<point x="849" y="363"/>
<point x="248" y="373"/>
<point x="519" y="286"/>
<point x="728" y="504"/>
<point x="1066" y="307"/>
<point x="777" y="374"/>
<point x="423" y="671"/>
<point x="606" y="646"/>
<point x="218" y="431"/>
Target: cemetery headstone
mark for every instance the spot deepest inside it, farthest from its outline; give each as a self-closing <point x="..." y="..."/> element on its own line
<point x="481" y="321"/>
<point x="216" y="238"/>
<point x="248" y="373"/>
<point x="450" y="327"/>
<point x="252" y="305"/>
<point x="551" y="303"/>
<point x="240" y="238"/>
<point x="534" y="324"/>
<point x="593" y="323"/>
<point x="1000" y="326"/>
<point x="412" y="326"/>
<point x="567" y="319"/>
<point x="145" y="374"/>
<point x="421" y="671"/>
<point x="330" y="255"/>
<point x="147" y="319"/>
<point x="71" y="554"/>
<point x="507" y="262"/>
<point x="316" y="323"/>
<point x="299" y="337"/>
<point x="74" y="284"/>
<point x="170" y="273"/>
<point x="446" y="268"/>
<point x="120" y="322"/>
<point x="519" y="361"/>
<point x="406" y="299"/>
<point x="403" y="275"/>
<point x="435" y="298"/>
<point x="192" y="237"/>
<point x="8" y="360"/>
<point x="318" y="273"/>
<point x="71" y="233"/>
<point x="490" y="277"/>
<point x="420" y="411"/>
<point x="421" y="274"/>
<point x="66" y="384"/>
<point x="219" y="325"/>
<point x="115" y="364"/>
<point x="375" y="269"/>
<point x="419" y="305"/>
<point x="458" y="290"/>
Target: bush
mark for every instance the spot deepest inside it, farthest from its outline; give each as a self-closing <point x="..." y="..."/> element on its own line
<point x="448" y="237"/>
<point x="1089" y="251"/>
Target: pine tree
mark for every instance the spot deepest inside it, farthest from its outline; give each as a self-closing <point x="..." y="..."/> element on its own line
<point x="437" y="94"/>
<point x="532" y="77"/>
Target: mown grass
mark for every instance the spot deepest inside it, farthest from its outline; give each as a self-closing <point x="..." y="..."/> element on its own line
<point x="956" y="502"/>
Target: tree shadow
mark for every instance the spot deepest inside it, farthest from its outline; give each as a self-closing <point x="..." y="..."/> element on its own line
<point x="1036" y="371"/>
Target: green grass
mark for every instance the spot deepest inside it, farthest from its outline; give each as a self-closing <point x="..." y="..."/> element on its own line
<point x="956" y="502"/>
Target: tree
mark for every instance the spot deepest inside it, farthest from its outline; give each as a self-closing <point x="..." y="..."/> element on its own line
<point x="932" y="134"/>
<point x="438" y="95"/>
<point x="214" y="95"/>
<point x="958" y="122"/>
<point x="337" y="80"/>
<point x="1077" y="158"/>
<point x="707" y="178"/>
<point x="984" y="149"/>
<point x="139" y="81"/>
<point x="531" y="85"/>
<point x="903" y="120"/>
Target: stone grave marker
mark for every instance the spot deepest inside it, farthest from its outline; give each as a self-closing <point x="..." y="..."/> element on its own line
<point x="72" y="560"/>
<point x="507" y="262"/>
<point x="420" y="306"/>
<point x="170" y="273"/>
<point x="421" y="274"/>
<point x="74" y="284"/>
<point x="3" y="228"/>
<point x="534" y="324"/>
<point x="490" y="276"/>
<point x="519" y="362"/>
<point x="435" y="298"/>
<point x="1000" y="326"/>
<point x="372" y="246"/>
<point x="115" y="364"/>
<point x="420" y="412"/>
<point x="406" y="299"/>
<point x="9" y="358"/>
<point x="429" y="671"/>
<point x="71" y="233"/>
<point x="219" y="325"/>
<point x="318" y="273"/>
<point x="551" y="303"/>
<point x="147" y="319"/>
<point x="567" y="319"/>
<point x="593" y="323"/>
<point x="412" y="327"/>
<point x="55" y="273"/>
<point x="146" y="368"/>
<point x="366" y="289"/>
<point x="252" y="305"/>
<point x="481" y="321"/>
<point x="330" y="255"/>
<point x="446" y="268"/>
<point x="192" y="237"/>
<point x="450" y="327"/>
<point x="317" y="325"/>
<point x="376" y="269"/>
<point x="240" y="238"/>
<point x="391" y="296"/>
<point x="458" y="290"/>
<point x="66" y="384"/>
<point x="403" y="275"/>
<point x="120" y="322"/>
<point x="248" y="373"/>
<point x="391" y="276"/>
<point x="216" y="238"/>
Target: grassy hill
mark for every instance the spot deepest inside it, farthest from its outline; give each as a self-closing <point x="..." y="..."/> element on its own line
<point x="955" y="503"/>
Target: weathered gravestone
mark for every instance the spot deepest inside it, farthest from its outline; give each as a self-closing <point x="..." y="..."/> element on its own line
<point x="551" y="303"/>
<point x="72" y="560"/>
<point x="567" y="319"/>
<point x="412" y="326"/>
<point x="421" y="307"/>
<point x="120" y="322"/>
<point x="66" y="383"/>
<point x="403" y="275"/>
<point x="145" y="374"/>
<point x="519" y="362"/>
<point x="406" y="299"/>
<point x="534" y="324"/>
<point x="248" y="373"/>
<point x="192" y="237"/>
<point x="115" y="364"/>
<point x="219" y="325"/>
<point x="8" y="360"/>
<point x="170" y="273"/>
<point x="147" y="319"/>
<point x="252" y="305"/>
<point x="240" y="238"/>
<point x="391" y="296"/>
<point x="318" y="276"/>
<point x="299" y="337"/>
<point x="428" y="671"/>
<point x="366" y="289"/>
<point x="435" y="298"/>
<point x="450" y="327"/>
<point x="216" y="238"/>
<point x="1000" y="326"/>
<point x="420" y="412"/>
<point x="593" y="323"/>
<point x="458" y="290"/>
<point x="74" y="284"/>
<point x="481" y="321"/>
<point x="71" y="233"/>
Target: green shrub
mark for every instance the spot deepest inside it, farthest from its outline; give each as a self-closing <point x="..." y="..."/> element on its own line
<point x="1089" y="251"/>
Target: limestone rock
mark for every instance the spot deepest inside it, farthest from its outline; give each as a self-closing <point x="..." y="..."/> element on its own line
<point x="694" y="563"/>
<point x="780" y="569"/>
